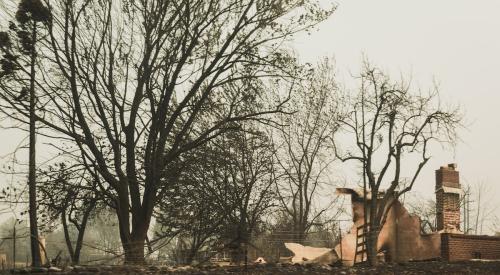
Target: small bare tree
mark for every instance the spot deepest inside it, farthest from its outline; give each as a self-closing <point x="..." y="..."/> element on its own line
<point x="478" y="203"/>
<point x="67" y="194"/>
<point x="389" y="122"/>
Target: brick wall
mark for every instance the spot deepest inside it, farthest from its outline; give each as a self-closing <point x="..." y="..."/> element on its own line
<point x="459" y="247"/>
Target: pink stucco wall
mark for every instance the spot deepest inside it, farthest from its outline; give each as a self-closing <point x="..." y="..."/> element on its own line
<point x="400" y="238"/>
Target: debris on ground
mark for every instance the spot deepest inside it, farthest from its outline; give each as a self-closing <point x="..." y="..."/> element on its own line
<point x="435" y="267"/>
<point x="309" y="254"/>
<point x="260" y="260"/>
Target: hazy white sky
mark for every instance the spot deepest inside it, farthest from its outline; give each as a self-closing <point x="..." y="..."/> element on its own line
<point x="456" y="42"/>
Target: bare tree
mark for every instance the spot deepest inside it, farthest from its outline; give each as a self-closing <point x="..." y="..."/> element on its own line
<point x="128" y="81"/>
<point x="388" y="122"/>
<point x="194" y="210"/>
<point x="226" y="189"/>
<point x="303" y="148"/>
<point x="478" y="202"/>
<point x="67" y="194"/>
<point x="251" y="178"/>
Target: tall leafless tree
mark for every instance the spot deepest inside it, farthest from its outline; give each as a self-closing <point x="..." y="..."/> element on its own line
<point x="388" y="122"/>
<point x="303" y="149"/>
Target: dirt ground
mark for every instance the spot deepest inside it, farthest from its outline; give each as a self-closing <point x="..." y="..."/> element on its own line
<point x="272" y="269"/>
<point x="409" y="268"/>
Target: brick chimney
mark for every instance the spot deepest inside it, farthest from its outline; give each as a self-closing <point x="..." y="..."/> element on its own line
<point x="448" y="194"/>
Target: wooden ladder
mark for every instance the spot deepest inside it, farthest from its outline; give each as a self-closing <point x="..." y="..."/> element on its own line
<point x="360" y="250"/>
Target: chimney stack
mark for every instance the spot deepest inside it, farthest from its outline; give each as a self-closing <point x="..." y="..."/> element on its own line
<point x="448" y="193"/>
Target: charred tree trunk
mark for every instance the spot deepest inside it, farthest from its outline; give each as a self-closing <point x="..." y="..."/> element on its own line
<point x="300" y="234"/>
<point x="192" y="253"/>
<point x="67" y="236"/>
<point x="75" y="259"/>
<point x="133" y="239"/>
<point x="81" y="232"/>
<point x="134" y="250"/>
<point x="76" y="251"/>
<point x="35" y="246"/>
<point x="371" y="245"/>
<point x="373" y="230"/>
<point x="80" y="226"/>
<point x="190" y="257"/>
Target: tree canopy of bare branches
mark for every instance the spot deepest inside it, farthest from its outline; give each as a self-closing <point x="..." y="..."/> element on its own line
<point x="136" y="84"/>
